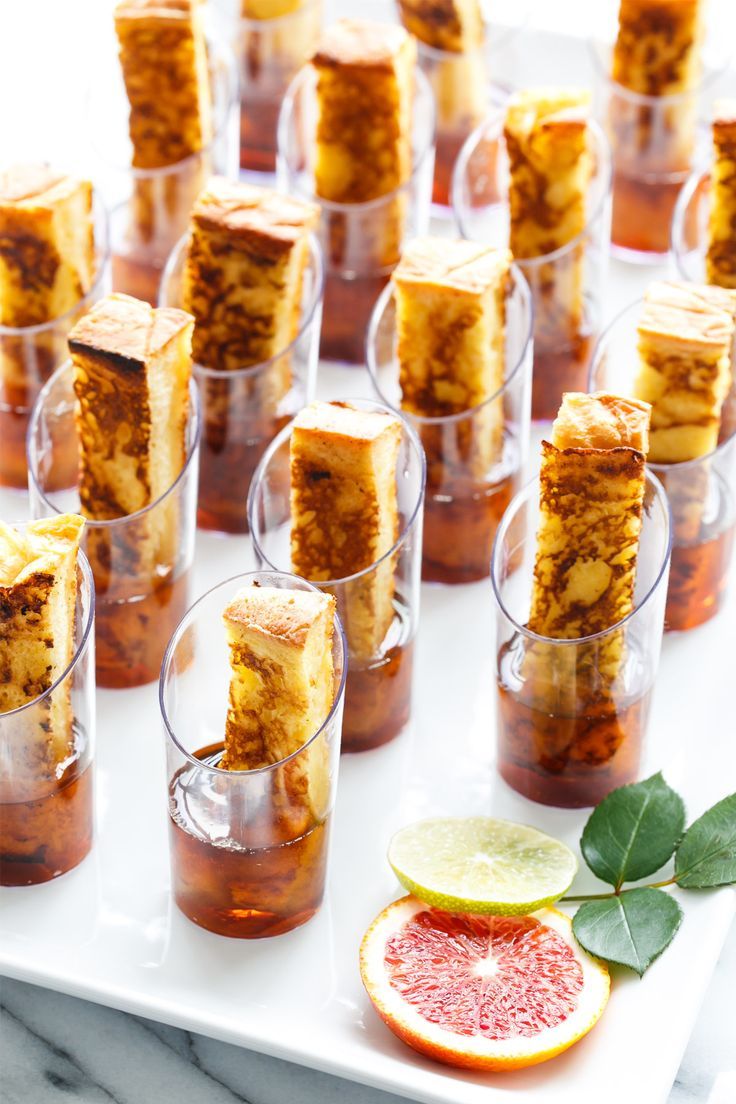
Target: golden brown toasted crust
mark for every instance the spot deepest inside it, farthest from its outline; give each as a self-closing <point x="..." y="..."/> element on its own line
<point x="267" y="222"/>
<point x="170" y="105"/>
<point x="455" y="25"/>
<point x="126" y="331"/>
<point x="545" y="132"/>
<point x="47" y="261"/>
<point x="453" y="264"/>
<point x="584" y="582"/>
<point x="656" y="49"/>
<point x="591" y="502"/>
<point x="721" y="252"/>
<point x="243" y="280"/>
<point x="38" y="588"/>
<point x="281" y="692"/>
<point x="360" y="44"/>
<point x="344" y="513"/>
<point x="450" y="316"/>
<point x="601" y="420"/>
<point x="132" y="366"/>
<point x="365" y="88"/>
<point x="685" y="333"/>
<point x="284" y="615"/>
<point x="344" y="426"/>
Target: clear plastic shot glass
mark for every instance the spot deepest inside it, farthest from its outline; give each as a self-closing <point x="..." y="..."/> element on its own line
<point x="30" y="354"/>
<point x="249" y="848"/>
<point x="150" y="207"/>
<point x="475" y="459"/>
<point x="243" y="409"/>
<point x="689" y="241"/>
<point x="572" y="714"/>
<point x="141" y="562"/>
<point x="270" y="51"/>
<point x="655" y="140"/>
<point x="378" y="695"/>
<point x="46" y="772"/>
<point x="567" y="285"/>
<point x="465" y="90"/>
<point x="361" y="242"/>
<point x="701" y="492"/>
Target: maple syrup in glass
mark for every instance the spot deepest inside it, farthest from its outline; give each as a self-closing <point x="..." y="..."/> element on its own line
<point x="44" y="836"/>
<point x="237" y="870"/>
<point x="132" y="631"/>
<point x="249" y="848"/>
<point x="46" y="762"/>
<point x="378" y="693"/>
<point x="572" y="714"/>
<point x="572" y="759"/>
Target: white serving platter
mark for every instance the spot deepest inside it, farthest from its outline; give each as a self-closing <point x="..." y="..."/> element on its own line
<point x="108" y="931"/>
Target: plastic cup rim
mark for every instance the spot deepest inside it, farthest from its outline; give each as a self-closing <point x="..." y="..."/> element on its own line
<point x="605" y="168"/>
<point x="102" y="252"/>
<point x="285" y="114"/>
<point x="283" y="436"/>
<point x="447" y="419"/>
<point x="195" y="418"/>
<point x="86" y="570"/>
<point x="516" y="502"/>
<point x="174" y="641"/>
<point x="200" y="371"/>
<point x="595" y="45"/>
<point x="655" y="466"/>
<point x="224" y="54"/>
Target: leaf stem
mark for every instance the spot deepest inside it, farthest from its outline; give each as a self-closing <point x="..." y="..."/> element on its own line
<point x="616" y="892"/>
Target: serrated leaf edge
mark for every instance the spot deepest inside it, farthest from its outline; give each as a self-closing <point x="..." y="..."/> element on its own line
<point x="681" y="873"/>
<point x="617" y="961"/>
<point x="630" y="785"/>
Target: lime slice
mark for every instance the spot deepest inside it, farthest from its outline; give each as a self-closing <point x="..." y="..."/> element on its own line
<point x="481" y="865"/>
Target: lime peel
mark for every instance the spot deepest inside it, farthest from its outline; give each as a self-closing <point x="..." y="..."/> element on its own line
<point x="481" y="865"/>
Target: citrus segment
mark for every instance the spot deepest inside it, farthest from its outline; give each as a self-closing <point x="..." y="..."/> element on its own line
<point x="481" y="992"/>
<point x="481" y="865"/>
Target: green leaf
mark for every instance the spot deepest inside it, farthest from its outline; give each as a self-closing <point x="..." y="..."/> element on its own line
<point x="634" y="831"/>
<point x="707" y="854"/>
<point x="631" y="930"/>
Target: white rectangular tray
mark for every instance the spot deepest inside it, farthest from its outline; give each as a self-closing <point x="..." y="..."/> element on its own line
<point x="108" y="931"/>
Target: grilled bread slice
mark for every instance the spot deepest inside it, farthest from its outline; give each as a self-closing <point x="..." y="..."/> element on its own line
<point x="132" y="365"/>
<point x="550" y="167"/>
<point x="365" y="88"/>
<point x="171" y="103"/>
<point x="452" y="25"/>
<point x="451" y="324"/>
<point x="685" y="342"/>
<point x="281" y="690"/>
<point x="248" y="249"/>
<point x="656" y="52"/>
<point x="38" y="601"/>
<point x="457" y="72"/>
<point x="546" y="134"/>
<point x="269" y="9"/>
<point x="47" y="261"/>
<point x="344" y="512"/>
<point x="450" y="317"/>
<point x="720" y="261"/>
<point x="591" y="501"/>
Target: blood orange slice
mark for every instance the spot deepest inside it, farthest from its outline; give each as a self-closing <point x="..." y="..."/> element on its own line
<point x="481" y="992"/>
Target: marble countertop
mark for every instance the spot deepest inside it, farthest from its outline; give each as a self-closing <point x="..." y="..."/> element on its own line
<point x="54" y="1048"/>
